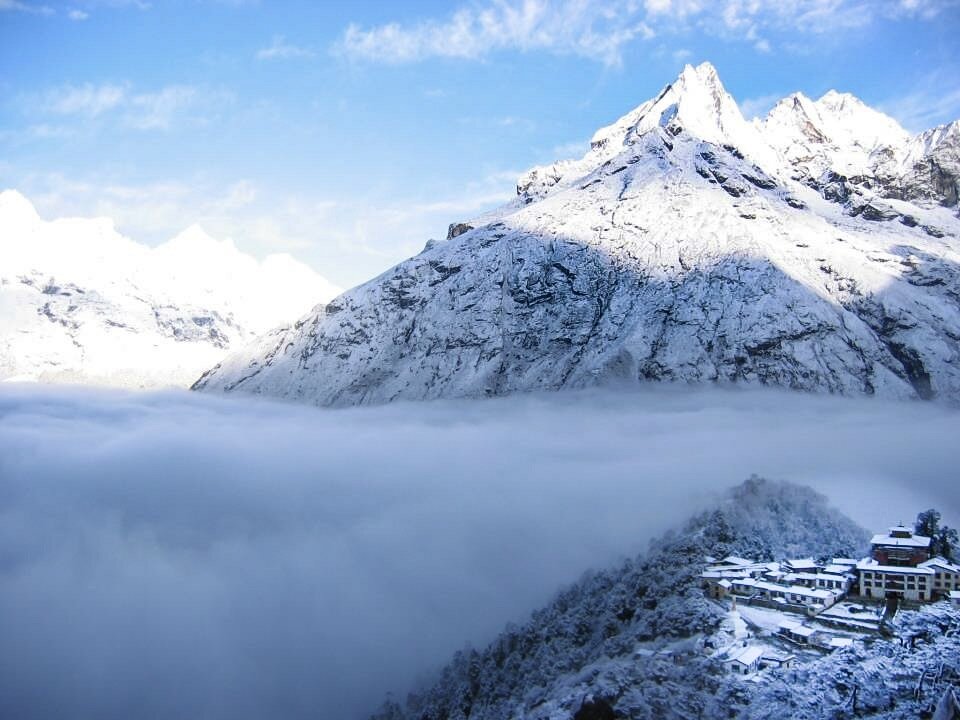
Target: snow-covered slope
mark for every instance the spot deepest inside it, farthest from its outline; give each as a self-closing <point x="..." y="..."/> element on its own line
<point x="642" y="641"/>
<point x="817" y="249"/>
<point x="81" y="303"/>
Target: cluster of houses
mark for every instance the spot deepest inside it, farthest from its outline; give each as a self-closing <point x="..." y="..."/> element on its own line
<point x="800" y="584"/>
<point x="749" y="658"/>
<point x="899" y="566"/>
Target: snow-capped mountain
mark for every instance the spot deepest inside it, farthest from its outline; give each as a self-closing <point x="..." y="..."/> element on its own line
<point x="816" y="249"/>
<point x="79" y="302"/>
<point x="642" y="640"/>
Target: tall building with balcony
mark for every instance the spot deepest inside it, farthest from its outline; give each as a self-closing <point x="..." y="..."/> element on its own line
<point x="895" y="568"/>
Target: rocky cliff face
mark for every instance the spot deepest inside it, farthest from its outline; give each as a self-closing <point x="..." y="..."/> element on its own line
<point x="817" y="250"/>
<point x="81" y="303"/>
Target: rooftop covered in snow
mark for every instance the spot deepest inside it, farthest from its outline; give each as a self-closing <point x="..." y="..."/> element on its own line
<point x="900" y="536"/>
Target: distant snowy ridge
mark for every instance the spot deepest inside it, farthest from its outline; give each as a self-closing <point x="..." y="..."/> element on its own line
<point x="79" y="302"/>
<point x="816" y="249"/>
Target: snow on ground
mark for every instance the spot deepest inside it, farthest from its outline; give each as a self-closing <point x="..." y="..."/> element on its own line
<point x="765" y="619"/>
<point x="738" y="626"/>
<point x="855" y="614"/>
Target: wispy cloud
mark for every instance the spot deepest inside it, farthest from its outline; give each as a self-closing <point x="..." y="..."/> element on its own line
<point x="155" y="110"/>
<point x="583" y="28"/>
<point x="500" y="122"/>
<point x="25" y="7"/>
<point x="280" y="49"/>
<point x="572" y="149"/>
<point x="759" y="106"/>
<point x="601" y="29"/>
<point x="927" y="9"/>
<point x="75" y="13"/>
<point x="386" y="232"/>
<point x="931" y="105"/>
<point x="88" y="99"/>
<point x="141" y="5"/>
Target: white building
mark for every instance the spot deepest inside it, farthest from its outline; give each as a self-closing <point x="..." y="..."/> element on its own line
<point x="822" y="580"/>
<point x="776" y="659"/>
<point x="848" y="563"/>
<point x="955" y="598"/>
<point x="838" y="643"/>
<point x="745" y="661"/>
<point x="796" y="632"/>
<point x="799" y="565"/>
<point x="810" y="598"/>
<point x="895" y="581"/>
<point x="946" y="576"/>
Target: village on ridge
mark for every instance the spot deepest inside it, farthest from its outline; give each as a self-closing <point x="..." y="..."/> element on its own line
<point x="801" y="606"/>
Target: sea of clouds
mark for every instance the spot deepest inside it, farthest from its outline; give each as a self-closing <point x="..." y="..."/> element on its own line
<point x="174" y="555"/>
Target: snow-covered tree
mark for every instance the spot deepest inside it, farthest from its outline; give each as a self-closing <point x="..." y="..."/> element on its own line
<point x="944" y="540"/>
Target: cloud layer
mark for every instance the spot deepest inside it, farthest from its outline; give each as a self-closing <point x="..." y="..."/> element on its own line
<point x="173" y="555"/>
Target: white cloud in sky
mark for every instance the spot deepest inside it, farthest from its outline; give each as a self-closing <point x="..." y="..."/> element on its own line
<point x="26" y="7"/>
<point x="582" y="27"/>
<point x="933" y="101"/>
<point x="155" y="110"/>
<point x="568" y="150"/>
<point x="927" y="9"/>
<point x="142" y="5"/>
<point x="88" y="99"/>
<point x="674" y="8"/>
<point x="75" y="13"/>
<point x="378" y="233"/>
<point x="192" y="556"/>
<point x="600" y="29"/>
<point x="280" y="49"/>
<point x="759" y="106"/>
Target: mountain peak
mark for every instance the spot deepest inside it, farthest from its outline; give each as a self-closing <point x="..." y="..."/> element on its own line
<point x="796" y="100"/>
<point x="703" y="97"/>
<point x="196" y="233"/>
<point x="849" y="120"/>
<point x="687" y="245"/>
<point x="197" y="245"/>
<point x="696" y="102"/>
<point x="704" y="73"/>
<point x="16" y="210"/>
<point x="838" y="100"/>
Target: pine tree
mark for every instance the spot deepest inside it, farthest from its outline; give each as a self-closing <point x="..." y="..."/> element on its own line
<point x="943" y="540"/>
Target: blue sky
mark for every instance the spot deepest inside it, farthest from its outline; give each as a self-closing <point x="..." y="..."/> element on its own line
<point x="350" y="133"/>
